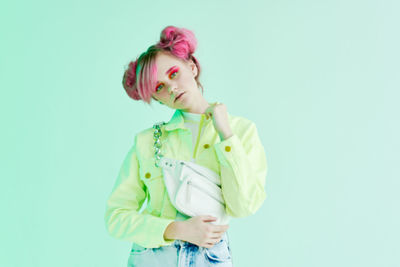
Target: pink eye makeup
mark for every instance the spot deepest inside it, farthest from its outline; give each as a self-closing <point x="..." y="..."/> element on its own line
<point x="158" y="87"/>
<point x="173" y="71"/>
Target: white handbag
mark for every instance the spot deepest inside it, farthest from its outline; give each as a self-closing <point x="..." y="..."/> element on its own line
<point x="192" y="189"/>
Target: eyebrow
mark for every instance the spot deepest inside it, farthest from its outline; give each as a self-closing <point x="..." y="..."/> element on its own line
<point x="168" y="71"/>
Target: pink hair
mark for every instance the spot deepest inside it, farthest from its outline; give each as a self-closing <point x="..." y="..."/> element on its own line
<point x="140" y="78"/>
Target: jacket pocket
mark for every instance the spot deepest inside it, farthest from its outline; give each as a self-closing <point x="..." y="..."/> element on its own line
<point x="153" y="179"/>
<point x="148" y="171"/>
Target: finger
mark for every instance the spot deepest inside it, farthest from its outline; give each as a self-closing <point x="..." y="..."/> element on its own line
<point x="211" y="106"/>
<point x="205" y="216"/>
<point x="209" y="218"/>
<point x="208" y="245"/>
<point x="213" y="241"/>
<point x="215" y="236"/>
<point x="219" y="231"/>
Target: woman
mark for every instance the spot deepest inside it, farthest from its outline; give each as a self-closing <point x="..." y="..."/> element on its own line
<point x="199" y="131"/>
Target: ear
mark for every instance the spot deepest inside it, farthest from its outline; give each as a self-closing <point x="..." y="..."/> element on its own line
<point x="193" y="68"/>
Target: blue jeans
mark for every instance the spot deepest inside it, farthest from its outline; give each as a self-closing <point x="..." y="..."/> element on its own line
<point x="182" y="254"/>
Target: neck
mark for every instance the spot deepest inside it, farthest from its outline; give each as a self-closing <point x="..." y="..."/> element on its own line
<point x="199" y="107"/>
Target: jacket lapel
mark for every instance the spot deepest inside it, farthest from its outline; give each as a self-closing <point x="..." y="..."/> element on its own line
<point x="176" y="122"/>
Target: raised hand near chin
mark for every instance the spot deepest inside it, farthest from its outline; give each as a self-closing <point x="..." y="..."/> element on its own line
<point x="218" y="112"/>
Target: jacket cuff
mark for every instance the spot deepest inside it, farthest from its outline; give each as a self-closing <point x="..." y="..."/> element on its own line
<point x="157" y="227"/>
<point x="227" y="149"/>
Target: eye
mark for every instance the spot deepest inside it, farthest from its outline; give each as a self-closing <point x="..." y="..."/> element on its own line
<point x="173" y="74"/>
<point x="159" y="87"/>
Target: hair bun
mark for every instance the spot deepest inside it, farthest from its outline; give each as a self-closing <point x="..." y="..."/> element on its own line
<point x="129" y="81"/>
<point x="180" y="41"/>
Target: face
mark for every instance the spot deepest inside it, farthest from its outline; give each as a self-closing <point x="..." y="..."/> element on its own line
<point x="174" y="77"/>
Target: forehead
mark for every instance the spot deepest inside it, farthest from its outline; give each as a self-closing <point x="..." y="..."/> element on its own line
<point x="164" y="62"/>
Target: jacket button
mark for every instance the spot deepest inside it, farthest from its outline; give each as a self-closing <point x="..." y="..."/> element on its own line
<point x="206" y="146"/>
<point x="147" y="175"/>
<point x="227" y="148"/>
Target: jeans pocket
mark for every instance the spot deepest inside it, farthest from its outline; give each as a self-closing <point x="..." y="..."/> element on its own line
<point x="220" y="252"/>
<point x="140" y="256"/>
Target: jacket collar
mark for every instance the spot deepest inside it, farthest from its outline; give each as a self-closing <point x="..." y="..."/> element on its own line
<point x="177" y="121"/>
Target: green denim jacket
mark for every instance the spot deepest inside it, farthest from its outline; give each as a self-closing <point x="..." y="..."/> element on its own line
<point x="240" y="160"/>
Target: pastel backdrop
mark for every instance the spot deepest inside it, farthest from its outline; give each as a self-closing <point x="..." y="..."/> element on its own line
<point x="319" y="78"/>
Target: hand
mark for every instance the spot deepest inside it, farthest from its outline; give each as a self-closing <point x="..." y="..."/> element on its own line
<point x="198" y="230"/>
<point x="217" y="111"/>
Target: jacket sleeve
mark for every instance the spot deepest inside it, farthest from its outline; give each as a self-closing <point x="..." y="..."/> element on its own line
<point x="243" y="168"/>
<point x="122" y="219"/>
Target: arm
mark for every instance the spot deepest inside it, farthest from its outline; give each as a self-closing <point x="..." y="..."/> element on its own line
<point x="174" y="230"/>
<point x="243" y="170"/>
<point x="122" y="219"/>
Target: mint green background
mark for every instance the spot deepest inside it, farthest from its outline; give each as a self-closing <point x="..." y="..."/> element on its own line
<point x="319" y="78"/>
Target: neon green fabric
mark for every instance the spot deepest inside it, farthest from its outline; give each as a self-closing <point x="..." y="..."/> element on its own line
<point x="239" y="159"/>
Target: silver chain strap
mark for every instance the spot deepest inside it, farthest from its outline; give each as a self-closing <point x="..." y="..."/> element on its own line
<point x="157" y="142"/>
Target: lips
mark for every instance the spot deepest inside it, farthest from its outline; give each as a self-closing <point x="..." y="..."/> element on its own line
<point x="179" y="96"/>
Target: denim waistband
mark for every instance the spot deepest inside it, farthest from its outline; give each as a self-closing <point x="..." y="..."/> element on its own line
<point x="182" y="243"/>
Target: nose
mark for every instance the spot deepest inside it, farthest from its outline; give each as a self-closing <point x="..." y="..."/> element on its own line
<point x="172" y="89"/>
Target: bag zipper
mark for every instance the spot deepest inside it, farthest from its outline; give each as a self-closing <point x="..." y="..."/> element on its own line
<point x="189" y="183"/>
<point x="196" y="171"/>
